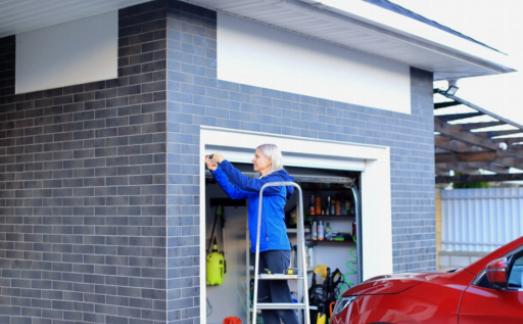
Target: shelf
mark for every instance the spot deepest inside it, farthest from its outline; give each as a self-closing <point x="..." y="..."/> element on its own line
<point x="332" y="184"/>
<point x="251" y="268"/>
<point x="331" y="242"/>
<point x="294" y="230"/>
<point x="330" y="217"/>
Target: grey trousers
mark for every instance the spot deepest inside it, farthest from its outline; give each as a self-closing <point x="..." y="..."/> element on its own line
<point x="276" y="291"/>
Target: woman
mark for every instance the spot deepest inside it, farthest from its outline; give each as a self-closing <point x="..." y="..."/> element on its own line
<point x="274" y="242"/>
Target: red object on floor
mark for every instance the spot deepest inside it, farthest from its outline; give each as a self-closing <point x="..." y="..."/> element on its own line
<point x="232" y="320"/>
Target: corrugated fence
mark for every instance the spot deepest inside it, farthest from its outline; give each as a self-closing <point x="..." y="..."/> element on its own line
<point x="479" y="220"/>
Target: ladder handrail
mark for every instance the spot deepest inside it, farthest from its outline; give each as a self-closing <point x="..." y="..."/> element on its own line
<point x="301" y="246"/>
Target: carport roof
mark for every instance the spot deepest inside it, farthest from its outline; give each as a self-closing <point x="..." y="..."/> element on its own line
<point x="476" y="144"/>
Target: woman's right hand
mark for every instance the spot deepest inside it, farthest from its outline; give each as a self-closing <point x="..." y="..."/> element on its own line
<point x="210" y="163"/>
<point x="217" y="157"/>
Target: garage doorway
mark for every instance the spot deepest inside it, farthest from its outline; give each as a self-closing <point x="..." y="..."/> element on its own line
<point x="366" y="166"/>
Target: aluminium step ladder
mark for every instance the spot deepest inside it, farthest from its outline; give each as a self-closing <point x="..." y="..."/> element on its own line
<point x="300" y="276"/>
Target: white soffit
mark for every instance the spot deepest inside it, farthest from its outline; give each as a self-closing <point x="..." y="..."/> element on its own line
<point x="17" y="16"/>
<point x="363" y="26"/>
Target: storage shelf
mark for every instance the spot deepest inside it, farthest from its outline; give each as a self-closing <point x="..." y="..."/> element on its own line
<point x="293" y="230"/>
<point x="330" y="217"/>
<point x="331" y="242"/>
<point x="251" y="269"/>
<point x="335" y="185"/>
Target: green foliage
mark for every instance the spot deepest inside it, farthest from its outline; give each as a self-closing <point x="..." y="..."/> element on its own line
<point x="470" y="185"/>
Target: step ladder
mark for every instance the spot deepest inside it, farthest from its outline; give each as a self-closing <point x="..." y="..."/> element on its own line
<point x="300" y="276"/>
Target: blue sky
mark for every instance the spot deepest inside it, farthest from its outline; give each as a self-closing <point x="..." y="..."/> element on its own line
<point x="498" y="23"/>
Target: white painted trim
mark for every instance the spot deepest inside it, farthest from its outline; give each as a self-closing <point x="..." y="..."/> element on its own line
<point x="244" y="155"/>
<point x="202" y="231"/>
<point x="415" y="29"/>
<point x="375" y="182"/>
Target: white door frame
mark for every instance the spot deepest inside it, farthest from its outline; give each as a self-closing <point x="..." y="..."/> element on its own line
<point x="371" y="160"/>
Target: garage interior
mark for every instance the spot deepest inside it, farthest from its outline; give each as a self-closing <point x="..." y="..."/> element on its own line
<point x="334" y="244"/>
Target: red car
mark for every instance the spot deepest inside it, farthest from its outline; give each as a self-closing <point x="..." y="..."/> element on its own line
<point x="487" y="291"/>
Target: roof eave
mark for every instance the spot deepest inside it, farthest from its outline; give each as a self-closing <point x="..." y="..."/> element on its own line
<point x="353" y="24"/>
<point x="482" y="60"/>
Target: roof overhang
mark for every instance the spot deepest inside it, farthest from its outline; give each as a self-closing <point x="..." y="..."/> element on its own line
<point x="365" y="27"/>
<point x="353" y="24"/>
<point x="21" y="16"/>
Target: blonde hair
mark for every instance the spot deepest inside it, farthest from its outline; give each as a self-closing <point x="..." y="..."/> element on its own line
<point x="272" y="151"/>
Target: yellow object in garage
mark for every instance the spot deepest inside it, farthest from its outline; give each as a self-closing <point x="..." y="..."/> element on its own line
<point x="321" y="270"/>
<point x="215" y="267"/>
<point x="321" y="318"/>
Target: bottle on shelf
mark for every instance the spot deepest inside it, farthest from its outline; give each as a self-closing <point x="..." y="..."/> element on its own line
<point x="347" y="208"/>
<point x="328" y="231"/>
<point x="328" y="210"/>
<point x="338" y="207"/>
<point x="312" y="208"/>
<point x="314" y="231"/>
<point x="333" y="206"/>
<point x="321" y="232"/>
<point x="317" y="206"/>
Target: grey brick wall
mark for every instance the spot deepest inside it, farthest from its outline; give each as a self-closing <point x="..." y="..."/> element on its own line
<point x="99" y="182"/>
<point x="82" y="188"/>
<point x="190" y="56"/>
<point x="195" y="97"/>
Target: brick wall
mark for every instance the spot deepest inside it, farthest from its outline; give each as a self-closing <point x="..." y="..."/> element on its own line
<point x="195" y="97"/>
<point x="82" y="189"/>
<point x="189" y="57"/>
<point x="99" y="182"/>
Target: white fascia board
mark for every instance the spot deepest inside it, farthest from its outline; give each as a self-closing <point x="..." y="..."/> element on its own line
<point x="449" y="43"/>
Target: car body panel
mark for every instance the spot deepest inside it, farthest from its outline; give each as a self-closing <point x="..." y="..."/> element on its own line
<point x="486" y="305"/>
<point x="421" y="303"/>
<point x="435" y="297"/>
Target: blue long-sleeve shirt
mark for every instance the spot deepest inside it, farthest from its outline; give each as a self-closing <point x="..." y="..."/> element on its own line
<point x="236" y="185"/>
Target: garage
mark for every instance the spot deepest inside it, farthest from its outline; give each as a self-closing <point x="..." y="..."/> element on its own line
<point x="105" y="211"/>
<point x="332" y="176"/>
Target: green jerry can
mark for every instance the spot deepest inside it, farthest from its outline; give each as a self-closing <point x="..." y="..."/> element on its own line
<point x="215" y="267"/>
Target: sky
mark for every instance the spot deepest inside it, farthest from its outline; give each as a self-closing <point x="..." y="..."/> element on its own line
<point x="497" y="23"/>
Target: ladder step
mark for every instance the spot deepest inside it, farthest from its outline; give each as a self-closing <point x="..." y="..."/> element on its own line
<point x="281" y="306"/>
<point x="278" y="276"/>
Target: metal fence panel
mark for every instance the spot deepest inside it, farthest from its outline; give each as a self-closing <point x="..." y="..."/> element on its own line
<point x="480" y="220"/>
